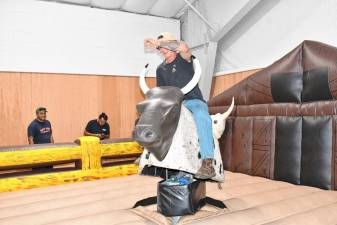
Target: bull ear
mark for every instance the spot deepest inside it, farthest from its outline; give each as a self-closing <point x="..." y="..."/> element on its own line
<point x="196" y="77"/>
<point x="228" y="112"/>
<point x="142" y="82"/>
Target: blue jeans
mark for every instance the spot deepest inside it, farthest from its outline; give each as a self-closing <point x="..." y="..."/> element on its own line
<point x="203" y="122"/>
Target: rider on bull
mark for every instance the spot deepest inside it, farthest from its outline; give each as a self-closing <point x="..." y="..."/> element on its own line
<point x="177" y="70"/>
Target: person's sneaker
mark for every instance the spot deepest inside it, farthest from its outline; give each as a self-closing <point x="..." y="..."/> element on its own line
<point x="206" y="170"/>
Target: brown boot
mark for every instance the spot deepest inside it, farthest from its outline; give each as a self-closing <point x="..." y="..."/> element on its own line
<point x="206" y="170"/>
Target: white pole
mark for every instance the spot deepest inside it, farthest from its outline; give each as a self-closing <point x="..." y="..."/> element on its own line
<point x="200" y="15"/>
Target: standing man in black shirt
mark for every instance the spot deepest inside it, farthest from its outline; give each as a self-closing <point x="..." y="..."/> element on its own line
<point x="98" y="127"/>
<point x="39" y="130"/>
<point x="177" y="70"/>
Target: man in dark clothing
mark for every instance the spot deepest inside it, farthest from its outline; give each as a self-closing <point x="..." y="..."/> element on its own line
<point x="177" y="70"/>
<point x="98" y="127"/>
<point x="39" y="130"/>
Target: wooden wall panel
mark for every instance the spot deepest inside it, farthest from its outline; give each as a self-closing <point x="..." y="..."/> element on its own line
<point x="221" y="83"/>
<point x="71" y="100"/>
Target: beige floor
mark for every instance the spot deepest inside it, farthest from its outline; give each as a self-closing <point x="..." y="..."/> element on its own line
<point x="250" y="200"/>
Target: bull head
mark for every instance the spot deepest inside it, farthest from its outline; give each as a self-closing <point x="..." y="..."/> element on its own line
<point x="219" y="121"/>
<point x="159" y="114"/>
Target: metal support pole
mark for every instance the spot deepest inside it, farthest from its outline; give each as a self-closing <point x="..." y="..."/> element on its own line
<point x="200" y="15"/>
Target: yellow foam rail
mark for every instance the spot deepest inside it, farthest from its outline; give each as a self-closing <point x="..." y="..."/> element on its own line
<point x="49" y="179"/>
<point x="15" y="158"/>
<point x="90" y="151"/>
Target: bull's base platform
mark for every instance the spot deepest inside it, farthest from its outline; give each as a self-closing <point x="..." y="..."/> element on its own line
<point x="250" y="200"/>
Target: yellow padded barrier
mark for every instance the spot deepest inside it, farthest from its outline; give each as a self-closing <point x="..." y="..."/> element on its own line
<point x="122" y="148"/>
<point x="49" y="179"/>
<point x="90" y="152"/>
<point x="14" y="158"/>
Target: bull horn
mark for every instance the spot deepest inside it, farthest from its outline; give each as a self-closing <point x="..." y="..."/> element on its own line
<point x="142" y="82"/>
<point x="196" y="77"/>
<point x="229" y="110"/>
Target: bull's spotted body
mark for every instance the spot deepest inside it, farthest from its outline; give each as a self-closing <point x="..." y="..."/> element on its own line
<point x="184" y="150"/>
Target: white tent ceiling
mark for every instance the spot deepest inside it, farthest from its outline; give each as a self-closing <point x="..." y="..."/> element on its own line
<point x="162" y="8"/>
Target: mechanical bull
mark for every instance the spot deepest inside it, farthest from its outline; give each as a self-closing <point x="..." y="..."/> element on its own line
<point x="167" y="131"/>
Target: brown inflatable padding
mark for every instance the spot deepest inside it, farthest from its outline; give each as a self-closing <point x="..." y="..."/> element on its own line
<point x="108" y="218"/>
<point x="23" y="209"/>
<point x="303" y="85"/>
<point x="281" y="109"/>
<point x="321" y="215"/>
<point x="256" y="89"/>
<point x="321" y="55"/>
<point x="250" y="200"/>
<point x="68" y="191"/>
<point x="38" y="191"/>
<point x="276" y="210"/>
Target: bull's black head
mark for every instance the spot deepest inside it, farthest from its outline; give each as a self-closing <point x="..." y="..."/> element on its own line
<point x="159" y="116"/>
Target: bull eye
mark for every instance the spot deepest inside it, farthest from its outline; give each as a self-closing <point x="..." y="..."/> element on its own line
<point x="215" y="121"/>
<point x="140" y="107"/>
